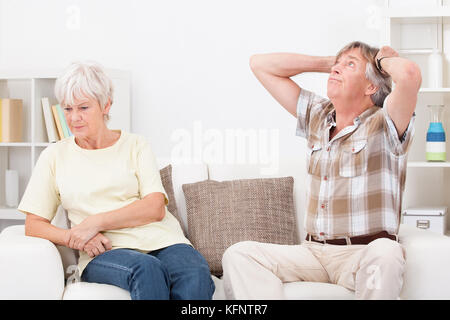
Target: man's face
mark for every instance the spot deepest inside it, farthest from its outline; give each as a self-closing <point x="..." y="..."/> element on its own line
<point x="347" y="79"/>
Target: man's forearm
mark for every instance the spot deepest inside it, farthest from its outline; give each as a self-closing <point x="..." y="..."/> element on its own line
<point x="290" y="64"/>
<point x="400" y="69"/>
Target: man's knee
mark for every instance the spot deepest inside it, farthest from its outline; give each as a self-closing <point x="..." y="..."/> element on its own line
<point x="384" y="249"/>
<point x="239" y="249"/>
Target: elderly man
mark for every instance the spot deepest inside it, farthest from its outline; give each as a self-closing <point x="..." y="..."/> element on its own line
<point x="357" y="143"/>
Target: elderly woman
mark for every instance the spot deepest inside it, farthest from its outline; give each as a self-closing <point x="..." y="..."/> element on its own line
<point x="109" y="183"/>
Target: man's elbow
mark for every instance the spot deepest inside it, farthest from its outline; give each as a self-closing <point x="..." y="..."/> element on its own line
<point x="254" y="62"/>
<point x="412" y="75"/>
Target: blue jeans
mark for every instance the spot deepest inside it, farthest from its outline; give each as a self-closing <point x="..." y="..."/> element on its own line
<point x="175" y="272"/>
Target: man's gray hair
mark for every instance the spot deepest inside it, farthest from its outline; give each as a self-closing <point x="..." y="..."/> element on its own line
<point x="84" y="80"/>
<point x="383" y="82"/>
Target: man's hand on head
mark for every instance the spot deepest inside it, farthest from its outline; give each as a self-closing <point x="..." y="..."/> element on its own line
<point x="384" y="52"/>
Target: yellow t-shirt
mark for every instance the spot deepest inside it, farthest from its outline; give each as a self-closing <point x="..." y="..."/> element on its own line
<point x="86" y="182"/>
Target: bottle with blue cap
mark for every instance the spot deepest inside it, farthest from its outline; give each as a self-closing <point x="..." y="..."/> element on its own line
<point x="435" y="148"/>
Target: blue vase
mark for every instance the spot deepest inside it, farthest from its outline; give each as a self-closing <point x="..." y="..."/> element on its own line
<point x="435" y="148"/>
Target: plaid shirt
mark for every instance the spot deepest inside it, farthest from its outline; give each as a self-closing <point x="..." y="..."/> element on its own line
<point x="356" y="180"/>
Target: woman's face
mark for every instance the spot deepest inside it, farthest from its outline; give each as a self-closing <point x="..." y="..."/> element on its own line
<point x="85" y="117"/>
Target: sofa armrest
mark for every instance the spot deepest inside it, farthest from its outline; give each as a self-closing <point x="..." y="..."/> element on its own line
<point x="427" y="273"/>
<point x="30" y="268"/>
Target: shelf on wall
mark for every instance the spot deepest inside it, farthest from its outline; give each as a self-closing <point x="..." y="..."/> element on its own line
<point x="425" y="12"/>
<point x="15" y="144"/>
<point x="24" y="144"/>
<point x="426" y="164"/>
<point x="42" y="144"/>
<point x="434" y="90"/>
<point x="11" y="214"/>
<point x="415" y="51"/>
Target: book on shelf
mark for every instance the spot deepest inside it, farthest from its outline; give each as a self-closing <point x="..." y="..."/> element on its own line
<point x="50" y="125"/>
<point x="11" y="120"/>
<point x="57" y="122"/>
<point x="64" y="125"/>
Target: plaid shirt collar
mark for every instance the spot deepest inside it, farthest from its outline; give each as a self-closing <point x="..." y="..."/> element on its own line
<point x="331" y="116"/>
<point x="330" y="119"/>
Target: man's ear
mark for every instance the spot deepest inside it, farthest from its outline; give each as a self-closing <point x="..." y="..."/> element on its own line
<point x="371" y="89"/>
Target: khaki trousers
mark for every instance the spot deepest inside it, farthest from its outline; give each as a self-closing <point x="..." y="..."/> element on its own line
<point x="254" y="270"/>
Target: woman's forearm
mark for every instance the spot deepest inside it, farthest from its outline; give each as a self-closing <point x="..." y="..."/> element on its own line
<point x="140" y="212"/>
<point x="44" y="229"/>
<point x="290" y="64"/>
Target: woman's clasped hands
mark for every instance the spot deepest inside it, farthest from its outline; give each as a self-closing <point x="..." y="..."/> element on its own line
<point x="87" y="237"/>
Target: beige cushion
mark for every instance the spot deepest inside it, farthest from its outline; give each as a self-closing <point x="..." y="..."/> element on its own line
<point x="223" y="213"/>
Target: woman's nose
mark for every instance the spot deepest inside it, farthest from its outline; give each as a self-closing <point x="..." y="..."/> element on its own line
<point x="75" y="116"/>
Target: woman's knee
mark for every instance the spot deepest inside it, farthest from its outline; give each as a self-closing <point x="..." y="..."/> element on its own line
<point x="149" y="266"/>
<point x="194" y="282"/>
<point x="127" y="262"/>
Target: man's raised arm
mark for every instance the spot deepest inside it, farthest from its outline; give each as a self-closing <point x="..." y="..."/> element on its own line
<point x="274" y="70"/>
<point x="406" y="75"/>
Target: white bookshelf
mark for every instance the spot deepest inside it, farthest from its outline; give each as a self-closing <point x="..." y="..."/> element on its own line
<point x="434" y="90"/>
<point x="415" y="29"/>
<point x="428" y="9"/>
<point x="427" y="164"/>
<point x="31" y="86"/>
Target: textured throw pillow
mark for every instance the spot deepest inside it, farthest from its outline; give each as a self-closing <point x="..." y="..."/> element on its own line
<point x="223" y="213"/>
<point x="166" y="179"/>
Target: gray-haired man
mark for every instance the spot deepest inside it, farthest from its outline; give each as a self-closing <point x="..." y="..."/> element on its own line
<point x="357" y="143"/>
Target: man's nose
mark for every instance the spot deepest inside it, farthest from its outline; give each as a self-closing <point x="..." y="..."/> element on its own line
<point x="336" y="69"/>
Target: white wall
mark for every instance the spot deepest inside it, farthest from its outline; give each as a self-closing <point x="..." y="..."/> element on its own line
<point x="188" y="59"/>
<point x="189" y="64"/>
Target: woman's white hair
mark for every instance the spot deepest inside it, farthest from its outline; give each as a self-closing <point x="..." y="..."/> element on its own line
<point x="82" y="80"/>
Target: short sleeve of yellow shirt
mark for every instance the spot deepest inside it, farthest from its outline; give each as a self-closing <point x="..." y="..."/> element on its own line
<point x="86" y="182"/>
<point x="41" y="196"/>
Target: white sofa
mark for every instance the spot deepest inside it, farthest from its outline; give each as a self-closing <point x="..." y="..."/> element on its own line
<point x="34" y="268"/>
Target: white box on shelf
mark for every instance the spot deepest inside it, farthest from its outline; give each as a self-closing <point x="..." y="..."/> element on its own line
<point x="428" y="218"/>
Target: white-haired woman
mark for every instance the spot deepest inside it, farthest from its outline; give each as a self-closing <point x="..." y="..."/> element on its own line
<point x="108" y="182"/>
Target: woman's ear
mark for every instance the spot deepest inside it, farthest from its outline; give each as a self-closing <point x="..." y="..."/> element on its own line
<point x="107" y="107"/>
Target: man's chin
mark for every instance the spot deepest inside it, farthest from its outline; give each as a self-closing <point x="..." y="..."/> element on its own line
<point x="331" y="94"/>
